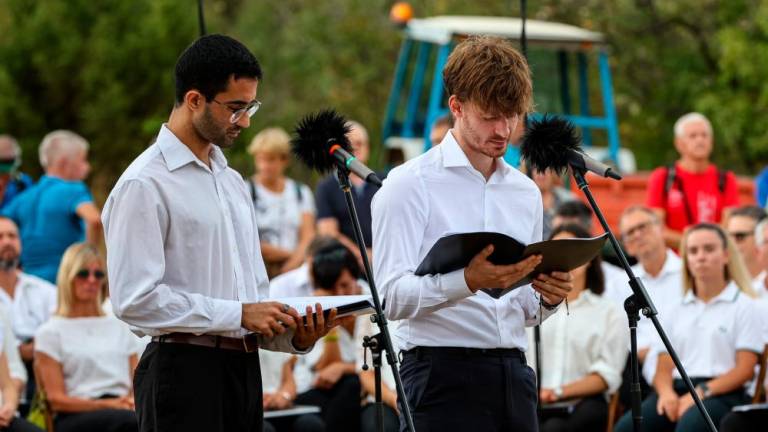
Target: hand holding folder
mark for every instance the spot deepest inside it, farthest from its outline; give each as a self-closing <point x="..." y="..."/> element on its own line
<point x="455" y="251"/>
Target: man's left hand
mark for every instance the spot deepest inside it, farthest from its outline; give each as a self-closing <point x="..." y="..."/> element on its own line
<point x="306" y="335"/>
<point x="553" y="287"/>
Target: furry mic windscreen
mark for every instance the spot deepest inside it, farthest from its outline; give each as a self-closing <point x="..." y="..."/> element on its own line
<point x="314" y="135"/>
<point x="546" y="143"/>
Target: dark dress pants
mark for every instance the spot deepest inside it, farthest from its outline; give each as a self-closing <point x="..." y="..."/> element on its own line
<point x="182" y="387"/>
<point x="456" y="389"/>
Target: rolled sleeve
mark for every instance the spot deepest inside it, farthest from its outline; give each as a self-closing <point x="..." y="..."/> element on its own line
<point x="613" y="353"/>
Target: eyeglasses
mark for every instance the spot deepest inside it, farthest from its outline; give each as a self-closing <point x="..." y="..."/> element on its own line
<point x="237" y="113"/>
<point x="641" y="227"/>
<point x="739" y="236"/>
<point x="84" y="273"/>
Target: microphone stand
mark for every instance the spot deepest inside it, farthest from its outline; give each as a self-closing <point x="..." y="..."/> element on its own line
<point x="382" y="340"/>
<point x="639" y="301"/>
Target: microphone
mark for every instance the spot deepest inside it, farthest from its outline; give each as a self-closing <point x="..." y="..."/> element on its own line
<point x="552" y="142"/>
<point x="321" y="142"/>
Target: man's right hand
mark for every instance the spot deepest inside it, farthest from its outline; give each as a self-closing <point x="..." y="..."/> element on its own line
<point x="481" y="273"/>
<point x="268" y="318"/>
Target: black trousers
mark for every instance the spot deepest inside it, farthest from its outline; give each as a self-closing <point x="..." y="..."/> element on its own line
<point x="590" y="414"/>
<point x="182" y="387"/>
<point x="754" y="420"/>
<point x="368" y="419"/>
<point x="19" y="424"/>
<point x="453" y="389"/>
<point x="107" y="420"/>
<point x="339" y="405"/>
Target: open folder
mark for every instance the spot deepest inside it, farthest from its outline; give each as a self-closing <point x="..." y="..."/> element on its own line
<point x="344" y="304"/>
<point x="455" y="251"/>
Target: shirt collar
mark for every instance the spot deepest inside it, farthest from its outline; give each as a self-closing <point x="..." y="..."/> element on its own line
<point x="454" y="156"/>
<point x="728" y="295"/>
<point x="177" y="154"/>
<point x="672" y="265"/>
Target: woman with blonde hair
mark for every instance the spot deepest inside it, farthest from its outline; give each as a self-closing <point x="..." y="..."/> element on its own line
<point x="84" y="357"/>
<point x="285" y="208"/>
<point x="717" y="334"/>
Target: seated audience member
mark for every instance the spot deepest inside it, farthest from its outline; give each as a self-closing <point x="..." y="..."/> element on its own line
<point x="9" y="399"/>
<point x="12" y="182"/>
<point x="368" y="382"/>
<point x="583" y="349"/>
<point x="59" y="210"/>
<point x="326" y="377"/>
<point x="332" y="214"/>
<point x="440" y="127"/>
<point x="741" y="225"/>
<point x="285" y="208"/>
<point x="85" y="358"/>
<point x="279" y="390"/>
<point x="716" y="331"/>
<point x="30" y="300"/>
<point x="660" y="270"/>
<point x="576" y="212"/>
<point x="553" y="195"/>
<point x="761" y="240"/>
<point x="298" y="282"/>
<point x="691" y="190"/>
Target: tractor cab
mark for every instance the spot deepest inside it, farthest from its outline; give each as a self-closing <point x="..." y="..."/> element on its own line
<point x="562" y="59"/>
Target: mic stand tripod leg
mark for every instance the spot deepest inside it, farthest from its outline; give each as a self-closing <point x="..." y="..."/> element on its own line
<point x="633" y="316"/>
<point x="373" y="343"/>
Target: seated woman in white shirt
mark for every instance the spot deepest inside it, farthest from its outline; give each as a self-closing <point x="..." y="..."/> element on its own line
<point x="583" y="350"/>
<point x="85" y="358"/>
<point x="716" y="332"/>
<point x="9" y="398"/>
<point x="285" y="208"/>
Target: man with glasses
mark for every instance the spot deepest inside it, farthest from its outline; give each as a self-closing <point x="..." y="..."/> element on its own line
<point x="741" y="226"/>
<point x="184" y="259"/>
<point x="660" y="270"/>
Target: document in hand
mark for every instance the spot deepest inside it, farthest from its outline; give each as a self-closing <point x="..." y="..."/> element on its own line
<point x="455" y="251"/>
<point x="345" y="305"/>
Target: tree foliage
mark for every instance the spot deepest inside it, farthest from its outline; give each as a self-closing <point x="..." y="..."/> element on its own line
<point x="104" y="68"/>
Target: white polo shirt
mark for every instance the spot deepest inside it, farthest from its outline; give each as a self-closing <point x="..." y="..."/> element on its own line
<point x="706" y="336"/>
<point x="33" y="302"/>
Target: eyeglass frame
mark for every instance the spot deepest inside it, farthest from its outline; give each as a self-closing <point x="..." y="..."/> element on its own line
<point x="638" y="228"/>
<point x="84" y="274"/>
<point x="237" y="114"/>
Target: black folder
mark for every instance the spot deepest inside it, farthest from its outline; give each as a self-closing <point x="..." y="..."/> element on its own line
<point x="455" y="251"/>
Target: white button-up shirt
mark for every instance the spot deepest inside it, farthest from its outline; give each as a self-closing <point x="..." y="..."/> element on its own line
<point x="590" y="339"/>
<point x="183" y="248"/>
<point x="706" y="336"/>
<point x="429" y="197"/>
<point x="33" y="302"/>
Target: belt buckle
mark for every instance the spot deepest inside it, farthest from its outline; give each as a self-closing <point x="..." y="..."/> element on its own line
<point x="248" y="346"/>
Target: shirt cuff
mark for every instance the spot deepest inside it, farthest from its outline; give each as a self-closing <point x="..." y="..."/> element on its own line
<point x="227" y="315"/>
<point x="454" y="286"/>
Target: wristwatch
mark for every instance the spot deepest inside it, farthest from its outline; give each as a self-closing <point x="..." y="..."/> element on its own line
<point x="558" y="391"/>
<point x="705" y="391"/>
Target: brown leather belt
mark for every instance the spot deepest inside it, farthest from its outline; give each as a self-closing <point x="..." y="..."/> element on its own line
<point x="247" y="343"/>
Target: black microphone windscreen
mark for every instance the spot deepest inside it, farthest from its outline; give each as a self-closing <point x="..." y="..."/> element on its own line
<point x="313" y="136"/>
<point x="546" y="143"/>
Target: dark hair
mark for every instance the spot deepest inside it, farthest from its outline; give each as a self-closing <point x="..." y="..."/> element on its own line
<point x="575" y="209"/>
<point x="329" y="262"/>
<point x="753" y="212"/>
<point x="595" y="277"/>
<point x="208" y="64"/>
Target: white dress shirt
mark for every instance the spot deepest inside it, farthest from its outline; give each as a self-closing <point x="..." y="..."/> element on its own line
<point x="666" y="292"/>
<point x="183" y="245"/>
<point x="10" y="347"/>
<point x="33" y="302"/>
<point x="293" y="283"/>
<point x="589" y="339"/>
<point x="706" y="336"/>
<point x="429" y="197"/>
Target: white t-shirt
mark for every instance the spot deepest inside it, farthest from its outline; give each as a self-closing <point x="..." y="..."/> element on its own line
<point x="93" y="352"/>
<point x="11" y="348"/>
<point x="33" y="302"/>
<point x="293" y="283"/>
<point x="278" y="215"/>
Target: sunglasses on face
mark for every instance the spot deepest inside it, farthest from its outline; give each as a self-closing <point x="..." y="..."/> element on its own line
<point x="84" y="273"/>
<point x="739" y="236"/>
